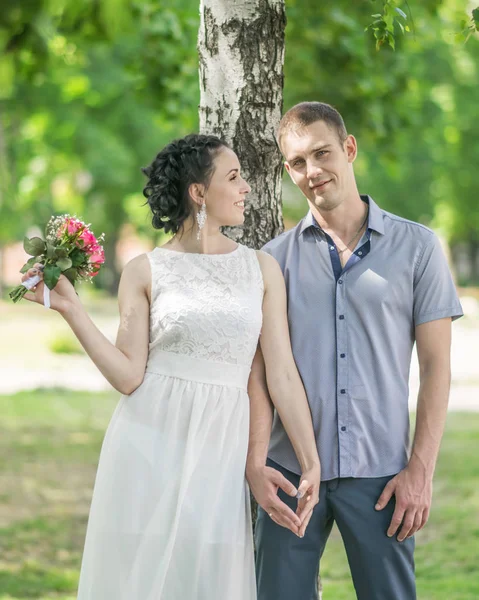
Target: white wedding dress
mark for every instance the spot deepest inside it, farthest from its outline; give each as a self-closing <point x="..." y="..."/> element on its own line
<point x="170" y="516"/>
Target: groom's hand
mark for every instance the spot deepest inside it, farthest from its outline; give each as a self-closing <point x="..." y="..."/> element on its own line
<point x="308" y="494"/>
<point x="412" y="488"/>
<point x="264" y="483"/>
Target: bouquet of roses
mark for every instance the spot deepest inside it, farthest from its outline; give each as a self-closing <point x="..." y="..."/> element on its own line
<point x="70" y="249"/>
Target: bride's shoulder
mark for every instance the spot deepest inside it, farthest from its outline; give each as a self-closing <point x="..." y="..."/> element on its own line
<point x="137" y="270"/>
<point x="269" y="265"/>
<point x="265" y="259"/>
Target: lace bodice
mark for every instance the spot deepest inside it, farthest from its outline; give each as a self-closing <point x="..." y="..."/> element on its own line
<point x="206" y="305"/>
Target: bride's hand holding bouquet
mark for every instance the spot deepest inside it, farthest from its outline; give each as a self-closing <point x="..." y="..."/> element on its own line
<point x="70" y="253"/>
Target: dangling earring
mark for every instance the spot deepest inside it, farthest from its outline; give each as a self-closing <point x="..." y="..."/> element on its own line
<point x="201" y="219"/>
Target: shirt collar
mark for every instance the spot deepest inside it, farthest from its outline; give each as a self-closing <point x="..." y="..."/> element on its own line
<point x="375" y="219"/>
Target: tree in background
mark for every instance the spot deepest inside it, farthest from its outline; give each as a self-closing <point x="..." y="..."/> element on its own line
<point x="241" y="53"/>
<point x="87" y="97"/>
<point x="90" y="91"/>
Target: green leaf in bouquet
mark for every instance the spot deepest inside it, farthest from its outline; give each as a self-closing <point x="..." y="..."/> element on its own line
<point x="64" y="263"/>
<point x="29" y="264"/>
<point x="50" y="250"/>
<point x="71" y="274"/>
<point x="61" y="252"/>
<point x="34" y="246"/>
<point x="78" y="257"/>
<point x="51" y="275"/>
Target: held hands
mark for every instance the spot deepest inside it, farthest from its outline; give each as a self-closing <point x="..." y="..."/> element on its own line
<point x="62" y="297"/>
<point x="413" y="490"/>
<point x="308" y="493"/>
<point x="265" y="483"/>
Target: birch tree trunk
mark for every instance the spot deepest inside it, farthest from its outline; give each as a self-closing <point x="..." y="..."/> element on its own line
<point x="241" y="54"/>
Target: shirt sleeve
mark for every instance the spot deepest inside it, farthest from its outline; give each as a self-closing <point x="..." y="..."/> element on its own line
<point x="266" y="249"/>
<point x="435" y="295"/>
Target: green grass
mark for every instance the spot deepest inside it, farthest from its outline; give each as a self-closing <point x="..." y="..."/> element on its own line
<point x="49" y="446"/>
<point x="447" y="550"/>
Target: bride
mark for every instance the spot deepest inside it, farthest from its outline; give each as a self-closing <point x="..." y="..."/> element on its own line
<point x="170" y="516"/>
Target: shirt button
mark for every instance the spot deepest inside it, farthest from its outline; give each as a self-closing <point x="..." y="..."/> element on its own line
<point x="340" y="281"/>
<point x="343" y="428"/>
<point x="343" y="391"/>
<point x="341" y="317"/>
<point x="342" y="355"/>
<point x="331" y="247"/>
<point x="360" y="253"/>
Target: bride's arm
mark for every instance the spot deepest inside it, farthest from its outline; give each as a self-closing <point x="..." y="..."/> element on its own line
<point x="122" y="364"/>
<point x="284" y="382"/>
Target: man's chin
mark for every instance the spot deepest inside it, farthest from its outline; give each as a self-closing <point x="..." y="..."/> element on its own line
<point x="323" y="202"/>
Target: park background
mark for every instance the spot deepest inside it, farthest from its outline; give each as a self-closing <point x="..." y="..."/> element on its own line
<point x="89" y="92"/>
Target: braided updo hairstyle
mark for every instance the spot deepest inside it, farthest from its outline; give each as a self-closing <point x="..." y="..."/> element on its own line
<point x="181" y="163"/>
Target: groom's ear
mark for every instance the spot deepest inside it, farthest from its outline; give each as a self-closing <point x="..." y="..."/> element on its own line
<point x="288" y="169"/>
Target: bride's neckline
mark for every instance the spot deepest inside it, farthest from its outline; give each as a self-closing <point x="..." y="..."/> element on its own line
<point x="181" y="253"/>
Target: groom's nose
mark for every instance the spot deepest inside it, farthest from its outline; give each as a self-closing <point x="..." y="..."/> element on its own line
<point x="313" y="171"/>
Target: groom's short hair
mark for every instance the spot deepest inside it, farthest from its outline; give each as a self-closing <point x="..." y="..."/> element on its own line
<point x="305" y="113"/>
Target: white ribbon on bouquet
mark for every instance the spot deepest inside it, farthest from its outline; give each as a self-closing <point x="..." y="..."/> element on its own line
<point x="31" y="282"/>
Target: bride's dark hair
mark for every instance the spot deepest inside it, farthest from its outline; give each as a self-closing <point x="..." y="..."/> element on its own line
<point x="181" y="163"/>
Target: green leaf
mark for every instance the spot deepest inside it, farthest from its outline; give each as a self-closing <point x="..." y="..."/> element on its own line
<point x="475" y="17"/>
<point x="401" y="12"/>
<point x="51" y="275"/>
<point x="71" y="274"/>
<point x="34" y="246"/>
<point x="29" y="264"/>
<point x="77" y="257"/>
<point x="61" y="252"/>
<point x="50" y="250"/>
<point x="64" y="263"/>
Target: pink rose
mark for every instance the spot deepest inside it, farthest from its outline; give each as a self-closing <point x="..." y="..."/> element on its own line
<point x="73" y="226"/>
<point x="94" y="249"/>
<point x="87" y="237"/>
<point x="98" y="257"/>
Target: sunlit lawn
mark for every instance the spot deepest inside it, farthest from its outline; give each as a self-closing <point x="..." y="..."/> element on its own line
<point x="49" y="445"/>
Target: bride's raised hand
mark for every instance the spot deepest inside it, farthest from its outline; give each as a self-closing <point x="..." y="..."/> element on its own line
<point x="62" y="297"/>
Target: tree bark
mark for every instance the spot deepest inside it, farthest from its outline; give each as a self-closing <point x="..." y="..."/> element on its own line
<point x="241" y="55"/>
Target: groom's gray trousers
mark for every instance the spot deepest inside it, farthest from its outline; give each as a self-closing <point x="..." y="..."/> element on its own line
<point x="381" y="567"/>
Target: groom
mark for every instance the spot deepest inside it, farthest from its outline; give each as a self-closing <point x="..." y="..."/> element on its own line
<point x="363" y="285"/>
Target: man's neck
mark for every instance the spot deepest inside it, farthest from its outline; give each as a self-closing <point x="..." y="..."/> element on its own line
<point x="343" y="220"/>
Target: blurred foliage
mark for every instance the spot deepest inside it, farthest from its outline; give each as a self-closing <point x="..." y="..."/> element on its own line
<point x="65" y="343"/>
<point x="412" y="110"/>
<point x="90" y="91"/>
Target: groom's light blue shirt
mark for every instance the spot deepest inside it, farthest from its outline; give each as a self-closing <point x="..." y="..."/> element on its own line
<point x="352" y="333"/>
